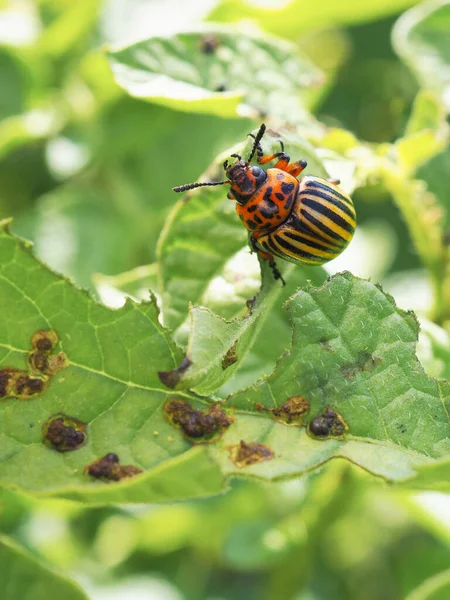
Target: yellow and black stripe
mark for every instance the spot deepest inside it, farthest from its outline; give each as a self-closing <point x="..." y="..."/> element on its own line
<point x="320" y="226"/>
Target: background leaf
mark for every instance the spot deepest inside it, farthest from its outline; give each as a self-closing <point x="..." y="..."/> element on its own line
<point x="212" y="70"/>
<point x="23" y="577"/>
<point x="421" y="38"/>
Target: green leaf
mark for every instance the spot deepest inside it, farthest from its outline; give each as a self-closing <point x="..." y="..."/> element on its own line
<point x="213" y="70"/>
<point x="293" y="18"/>
<point x="421" y="38"/>
<point x="352" y="350"/>
<point x="23" y="577"/>
<point x="217" y="348"/>
<point x="108" y="382"/>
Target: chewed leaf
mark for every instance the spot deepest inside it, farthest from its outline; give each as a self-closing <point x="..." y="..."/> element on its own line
<point x="103" y="427"/>
<point x="353" y="360"/>
<point x="103" y="400"/>
<point x="213" y="70"/>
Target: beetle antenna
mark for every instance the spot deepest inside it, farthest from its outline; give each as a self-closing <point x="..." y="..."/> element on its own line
<point x="258" y="138"/>
<point x="191" y="186"/>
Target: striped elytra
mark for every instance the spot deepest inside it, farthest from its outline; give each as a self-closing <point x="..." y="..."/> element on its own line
<point x="320" y="226"/>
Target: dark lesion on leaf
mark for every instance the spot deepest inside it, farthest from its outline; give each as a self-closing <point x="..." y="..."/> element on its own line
<point x="230" y="357"/>
<point x="245" y="454"/>
<point x="42" y="359"/>
<point x="199" y="425"/>
<point x="27" y="386"/>
<point x="209" y="43"/>
<point x="365" y="362"/>
<point x="64" y="434"/>
<point x="108" y="468"/>
<point x="329" y="424"/>
<point x="42" y="364"/>
<point x="291" y="412"/>
<point x="173" y="377"/>
<point x="15" y="383"/>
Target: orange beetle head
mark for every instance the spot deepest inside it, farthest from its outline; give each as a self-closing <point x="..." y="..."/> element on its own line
<point x="245" y="179"/>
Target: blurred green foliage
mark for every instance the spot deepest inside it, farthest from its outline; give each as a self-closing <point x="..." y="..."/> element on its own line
<point x="86" y="170"/>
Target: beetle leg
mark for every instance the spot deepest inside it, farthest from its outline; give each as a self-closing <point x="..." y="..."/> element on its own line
<point x="267" y="256"/>
<point x="296" y="168"/>
<point x="282" y="162"/>
<point x="334" y="181"/>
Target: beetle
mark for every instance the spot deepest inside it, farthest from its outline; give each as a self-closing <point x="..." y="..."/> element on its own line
<point x="308" y="220"/>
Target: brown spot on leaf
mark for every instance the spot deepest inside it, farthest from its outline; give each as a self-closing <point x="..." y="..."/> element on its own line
<point x="230" y="357"/>
<point x="42" y="364"/>
<point x="329" y="424"/>
<point x="7" y="380"/>
<point x="64" y="433"/>
<point x="171" y="378"/>
<point x="57" y="363"/>
<point x="38" y="360"/>
<point x="26" y="386"/>
<point x="44" y="340"/>
<point x="292" y="411"/>
<point x="289" y="413"/>
<point x="108" y="468"/>
<point x="197" y="424"/>
<point x="245" y="454"/>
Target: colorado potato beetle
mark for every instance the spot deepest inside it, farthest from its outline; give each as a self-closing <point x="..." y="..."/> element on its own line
<point x="308" y="220"/>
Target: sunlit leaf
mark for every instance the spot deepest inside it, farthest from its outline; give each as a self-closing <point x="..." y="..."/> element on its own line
<point x="213" y="70"/>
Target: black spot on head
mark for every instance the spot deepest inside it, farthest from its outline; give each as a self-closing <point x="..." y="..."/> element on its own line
<point x="287" y="188"/>
<point x="279" y="196"/>
<point x="251" y="224"/>
<point x="268" y="193"/>
<point x="267" y="214"/>
<point x="258" y="220"/>
<point x="252" y="208"/>
<point x="288" y="202"/>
